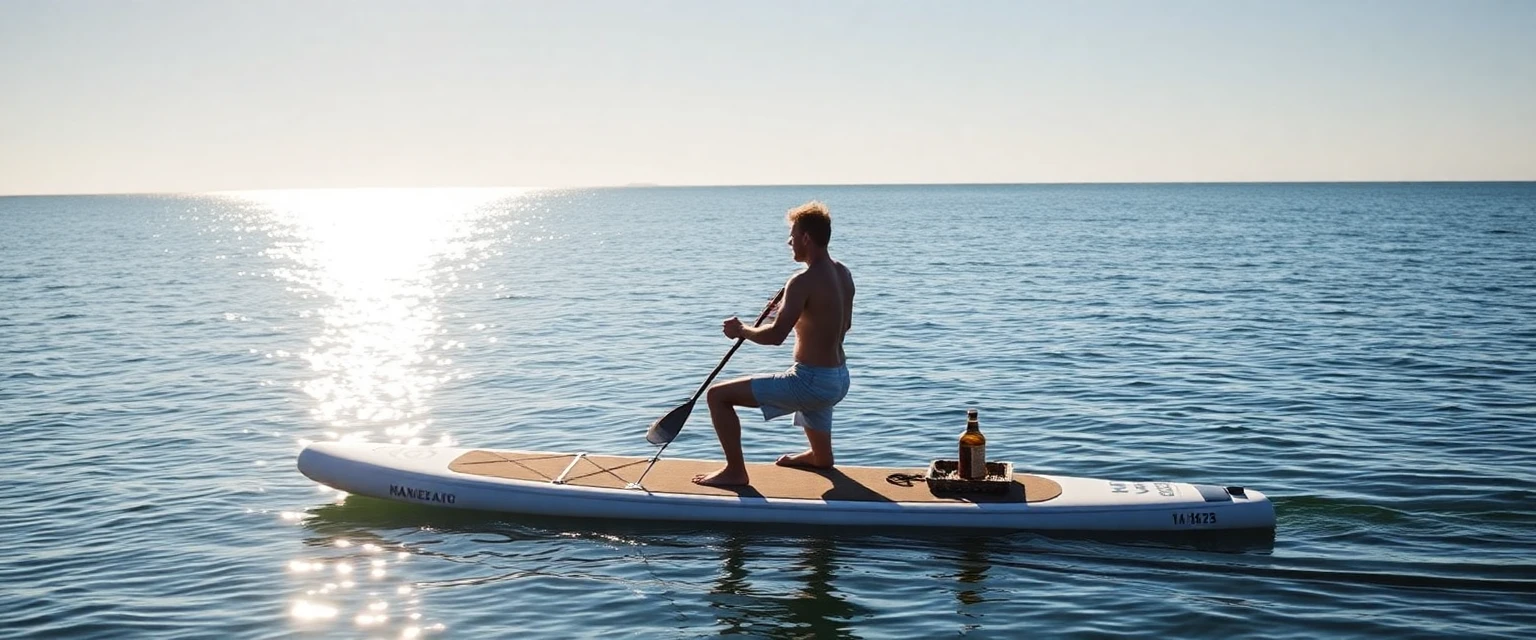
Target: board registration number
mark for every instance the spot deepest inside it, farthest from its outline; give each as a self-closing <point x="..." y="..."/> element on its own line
<point x="1194" y="519"/>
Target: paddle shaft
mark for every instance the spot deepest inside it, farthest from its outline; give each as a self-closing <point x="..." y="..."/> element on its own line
<point x="711" y="378"/>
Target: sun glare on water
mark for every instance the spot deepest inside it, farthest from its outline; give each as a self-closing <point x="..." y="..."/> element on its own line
<point x="371" y="267"/>
<point x="375" y="262"/>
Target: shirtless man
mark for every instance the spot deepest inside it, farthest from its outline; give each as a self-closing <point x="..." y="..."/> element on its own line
<point x="818" y="305"/>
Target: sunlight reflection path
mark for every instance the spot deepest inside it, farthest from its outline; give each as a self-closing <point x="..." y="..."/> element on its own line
<point x="376" y="263"/>
<point x="373" y="258"/>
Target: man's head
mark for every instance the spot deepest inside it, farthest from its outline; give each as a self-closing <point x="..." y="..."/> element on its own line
<point x="810" y="225"/>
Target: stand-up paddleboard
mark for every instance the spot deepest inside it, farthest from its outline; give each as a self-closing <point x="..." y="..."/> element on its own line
<point x="582" y="485"/>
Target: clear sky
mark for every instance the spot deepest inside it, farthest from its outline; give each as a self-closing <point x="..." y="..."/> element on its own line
<point x="173" y="95"/>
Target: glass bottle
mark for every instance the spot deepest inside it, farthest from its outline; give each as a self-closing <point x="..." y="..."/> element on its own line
<point x="973" y="449"/>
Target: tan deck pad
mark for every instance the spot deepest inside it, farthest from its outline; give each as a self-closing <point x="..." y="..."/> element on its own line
<point x="768" y="480"/>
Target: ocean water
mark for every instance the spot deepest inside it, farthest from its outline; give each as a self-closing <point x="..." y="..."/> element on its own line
<point x="1363" y="353"/>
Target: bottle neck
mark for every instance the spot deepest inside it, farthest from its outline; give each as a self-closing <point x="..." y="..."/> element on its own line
<point x="971" y="426"/>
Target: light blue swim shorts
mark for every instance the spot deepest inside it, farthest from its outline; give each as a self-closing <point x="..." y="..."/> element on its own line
<point x="810" y="392"/>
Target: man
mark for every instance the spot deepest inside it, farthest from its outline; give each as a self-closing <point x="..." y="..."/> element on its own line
<point x="818" y="305"/>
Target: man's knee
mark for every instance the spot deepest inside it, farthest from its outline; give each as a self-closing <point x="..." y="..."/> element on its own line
<point x="719" y="395"/>
<point x="736" y="393"/>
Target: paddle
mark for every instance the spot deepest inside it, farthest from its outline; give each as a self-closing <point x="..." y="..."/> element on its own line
<point x="665" y="428"/>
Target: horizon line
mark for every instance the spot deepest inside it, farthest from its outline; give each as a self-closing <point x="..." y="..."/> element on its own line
<point x="651" y="185"/>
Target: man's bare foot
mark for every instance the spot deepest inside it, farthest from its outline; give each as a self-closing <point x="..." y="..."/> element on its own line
<point x="726" y="477"/>
<point x="805" y="460"/>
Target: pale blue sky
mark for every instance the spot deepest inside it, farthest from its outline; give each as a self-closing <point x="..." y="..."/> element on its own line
<point x="126" y="96"/>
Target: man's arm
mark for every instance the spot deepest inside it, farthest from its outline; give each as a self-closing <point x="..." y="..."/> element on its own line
<point x="789" y="313"/>
<point x="848" y="297"/>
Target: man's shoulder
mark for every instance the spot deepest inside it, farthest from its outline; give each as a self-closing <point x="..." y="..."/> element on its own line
<point x="843" y="271"/>
<point x="831" y="271"/>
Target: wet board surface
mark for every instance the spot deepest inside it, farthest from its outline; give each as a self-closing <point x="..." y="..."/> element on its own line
<point x="865" y="484"/>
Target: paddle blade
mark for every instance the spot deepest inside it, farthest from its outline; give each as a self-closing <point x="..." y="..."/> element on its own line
<point x="665" y="428"/>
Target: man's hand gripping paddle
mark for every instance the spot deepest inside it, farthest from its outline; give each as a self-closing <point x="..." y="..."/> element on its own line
<point x="666" y="428"/>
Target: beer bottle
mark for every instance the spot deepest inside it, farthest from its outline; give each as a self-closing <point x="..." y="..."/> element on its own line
<point x="973" y="449"/>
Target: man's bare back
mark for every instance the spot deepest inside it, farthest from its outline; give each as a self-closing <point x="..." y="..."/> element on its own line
<point x="826" y="296"/>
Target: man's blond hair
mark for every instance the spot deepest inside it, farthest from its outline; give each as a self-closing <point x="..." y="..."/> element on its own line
<point x="813" y="218"/>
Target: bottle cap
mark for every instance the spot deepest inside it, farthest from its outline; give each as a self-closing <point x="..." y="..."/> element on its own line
<point x="970" y="413"/>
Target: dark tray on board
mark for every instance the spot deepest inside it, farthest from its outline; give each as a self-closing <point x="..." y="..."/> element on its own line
<point x="944" y="477"/>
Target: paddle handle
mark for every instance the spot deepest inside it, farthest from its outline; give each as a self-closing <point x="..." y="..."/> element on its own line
<point x="734" y="347"/>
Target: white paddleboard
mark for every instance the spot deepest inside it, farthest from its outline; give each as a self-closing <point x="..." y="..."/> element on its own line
<point x="581" y="485"/>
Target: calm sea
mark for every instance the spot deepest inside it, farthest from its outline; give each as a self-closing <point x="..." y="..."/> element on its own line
<point x="1364" y="353"/>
